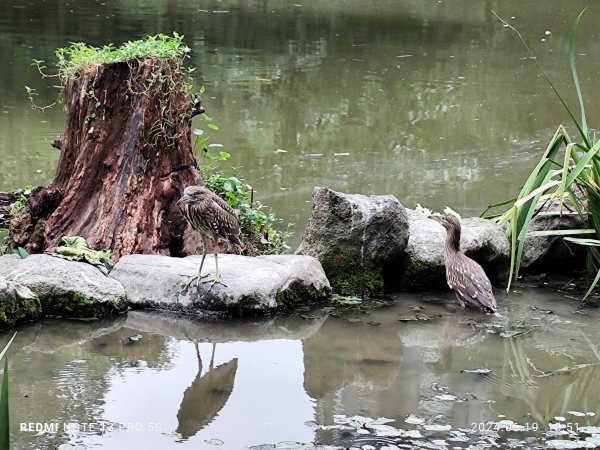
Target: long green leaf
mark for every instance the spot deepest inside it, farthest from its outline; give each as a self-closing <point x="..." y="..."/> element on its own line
<point x="5" y="349"/>
<point x="584" y="241"/>
<point x="547" y="78"/>
<point x="584" y="127"/>
<point x="593" y="285"/>
<point x="561" y="232"/>
<point x="4" y="415"/>
<point x="4" y="411"/>
<point x="576" y="171"/>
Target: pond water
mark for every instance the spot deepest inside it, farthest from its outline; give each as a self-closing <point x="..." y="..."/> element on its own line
<point x="430" y="100"/>
<point x="252" y="382"/>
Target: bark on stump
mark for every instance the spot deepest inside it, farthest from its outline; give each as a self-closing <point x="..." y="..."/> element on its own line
<point x="126" y="157"/>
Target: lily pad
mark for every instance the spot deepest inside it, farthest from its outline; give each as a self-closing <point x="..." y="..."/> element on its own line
<point x="414" y="420"/>
<point x="446" y="397"/>
<point x="345" y="300"/>
<point x="563" y="443"/>
<point x="415" y="434"/>
<point x="437" y="427"/>
<point x="482" y="371"/>
<point x="292" y="445"/>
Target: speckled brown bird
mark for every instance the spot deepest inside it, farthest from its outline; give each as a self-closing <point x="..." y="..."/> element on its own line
<point x="465" y="276"/>
<point x="214" y="219"/>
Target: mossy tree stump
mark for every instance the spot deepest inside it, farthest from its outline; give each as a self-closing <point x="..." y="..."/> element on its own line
<point x="126" y="156"/>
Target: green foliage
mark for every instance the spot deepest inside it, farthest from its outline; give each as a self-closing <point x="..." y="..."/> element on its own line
<point x="258" y="226"/>
<point x="4" y="409"/>
<point x="21" y="200"/>
<point x="78" y="57"/>
<point x="569" y="170"/>
<point x="9" y="213"/>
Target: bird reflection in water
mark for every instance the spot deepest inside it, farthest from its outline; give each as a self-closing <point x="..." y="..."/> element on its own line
<point x="206" y="396"/>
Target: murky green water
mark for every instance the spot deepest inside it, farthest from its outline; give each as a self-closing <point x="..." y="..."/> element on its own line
<point x="191" y="384"/>
<point x="433" y="101"/>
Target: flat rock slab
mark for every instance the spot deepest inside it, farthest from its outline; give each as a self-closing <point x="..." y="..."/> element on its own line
<point x="252" y="284"/>
<point x="65" y="288"/>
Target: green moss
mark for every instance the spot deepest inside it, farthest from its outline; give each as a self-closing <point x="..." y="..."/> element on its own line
<point x="349" y="275"/>
<point x="418" y="272"/>
<point x="77" y="305"/>
<point x="298" y="293"/>
<point x="15" y="310"/>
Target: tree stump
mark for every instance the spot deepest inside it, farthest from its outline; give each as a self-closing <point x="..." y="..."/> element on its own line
<point x="126" y="156"/>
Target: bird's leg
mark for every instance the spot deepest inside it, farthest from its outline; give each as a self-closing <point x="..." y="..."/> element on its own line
<point x="460" y="300"/>
<point x="217" y="278"/>
<point x="199" y="276"/>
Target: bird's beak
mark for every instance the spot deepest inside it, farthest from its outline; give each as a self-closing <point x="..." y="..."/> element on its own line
<point x="184" y="198"/>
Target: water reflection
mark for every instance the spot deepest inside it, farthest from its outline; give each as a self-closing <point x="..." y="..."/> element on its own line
<point x="188" y="383"/>
<point x="420" y="94"/>
<point x="206" y="396"/>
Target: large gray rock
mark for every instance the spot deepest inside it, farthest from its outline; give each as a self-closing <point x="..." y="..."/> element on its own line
<point x="481" y="239"/>
<point x="553" y="252"/>
<point x="355" y="237"/>
<point x="65" y="288"/>
<point x="17" y="303"/>
<point x="256" y="284"/>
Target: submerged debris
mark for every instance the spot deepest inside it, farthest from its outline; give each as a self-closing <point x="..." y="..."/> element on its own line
<point x="482" y="371"/>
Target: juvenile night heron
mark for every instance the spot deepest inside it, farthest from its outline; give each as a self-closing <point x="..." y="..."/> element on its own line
<point x="214" y="219"/>
<point x="465" y="276"/>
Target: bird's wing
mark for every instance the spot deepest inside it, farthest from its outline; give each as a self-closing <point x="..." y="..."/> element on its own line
<point x="221" y="203"/>
<point x="225" y="221"/>
<point x="471" y="282"/>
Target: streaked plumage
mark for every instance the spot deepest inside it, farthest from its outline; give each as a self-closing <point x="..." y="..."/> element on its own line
<point x="464" y="275"/>
<point x="213" y="218"/>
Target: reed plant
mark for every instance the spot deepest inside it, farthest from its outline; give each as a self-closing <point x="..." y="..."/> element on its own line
<point x="568" y="170"/>
<point x="4" y="416"/>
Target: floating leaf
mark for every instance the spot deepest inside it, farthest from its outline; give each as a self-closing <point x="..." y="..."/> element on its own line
<point x="384" y="430"/>
<point x="482" y="371"/>
<point x="446" y="397"/>
<point x="290" y="445"/>
<point x="414" y="420"/>
<point x="415" y="434"/>
<point x="436" y="427"/>
<point x="563" y="443"/>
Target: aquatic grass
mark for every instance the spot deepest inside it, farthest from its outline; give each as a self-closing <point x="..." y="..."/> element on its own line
<point x="4" y="409"/>
<point x="575" y="178"/>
